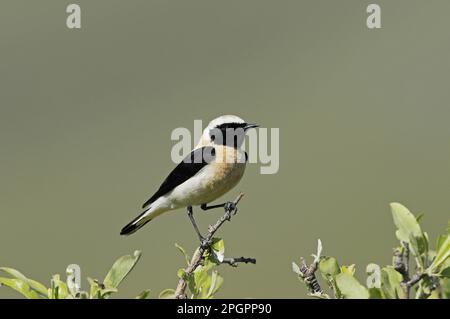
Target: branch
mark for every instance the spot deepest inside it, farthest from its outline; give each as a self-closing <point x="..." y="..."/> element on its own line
<point x="198" y="255"/>
<point x="307" y="273"/>
<point x="401" y="261"/>
<point x="415" y="279"/>
<point x="401" y="264"/>
<point x="233" y="262"/>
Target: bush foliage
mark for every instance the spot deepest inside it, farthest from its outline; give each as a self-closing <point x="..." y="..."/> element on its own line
<point x="415" y="267"/>
<point x="430" y="276"/>
<point x="203" y="283"/>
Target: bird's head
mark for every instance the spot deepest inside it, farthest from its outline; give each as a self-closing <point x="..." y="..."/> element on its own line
<point x="226" y="130"/>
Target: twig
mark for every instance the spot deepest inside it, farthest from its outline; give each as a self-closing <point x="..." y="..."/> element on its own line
<point x="197" y="258"/>
<point x="307" y="273"/>
<point x="401" y="261"/>
<point x="401" y="264"/>
<point x="406" y="255"/>
<point x="233" y="262"/>
<point x="415" y="279"/>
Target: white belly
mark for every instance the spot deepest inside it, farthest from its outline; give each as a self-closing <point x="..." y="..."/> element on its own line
<point x="210" y="183"/>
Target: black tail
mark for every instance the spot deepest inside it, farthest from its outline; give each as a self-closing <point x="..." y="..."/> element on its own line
<point x="135" y="224"/>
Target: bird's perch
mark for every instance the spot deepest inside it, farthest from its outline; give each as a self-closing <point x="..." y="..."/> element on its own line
<point x="198" y="255"/>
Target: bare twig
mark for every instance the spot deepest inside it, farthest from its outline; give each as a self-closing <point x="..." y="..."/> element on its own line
<point x="415" y="279"/>
<point x="198" y="255"/>
<point x="234" y="261"/>
<point x="401" y="261"/>
<point x="401" y="264"/>
<point x="406" y="255"/>
<point x="307" y="273"/>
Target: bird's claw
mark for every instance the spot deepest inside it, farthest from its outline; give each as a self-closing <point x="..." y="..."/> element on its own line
<point x="230" y="207"/>
<point x="205" y="243"/>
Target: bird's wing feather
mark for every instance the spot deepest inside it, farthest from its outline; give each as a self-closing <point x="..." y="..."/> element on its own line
<point x="190" y="166"/>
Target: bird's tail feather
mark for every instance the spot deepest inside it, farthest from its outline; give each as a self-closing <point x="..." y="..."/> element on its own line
<point x="137" y="223"/>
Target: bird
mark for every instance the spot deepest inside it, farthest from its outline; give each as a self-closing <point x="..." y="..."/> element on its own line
<point x="214" y="167"/>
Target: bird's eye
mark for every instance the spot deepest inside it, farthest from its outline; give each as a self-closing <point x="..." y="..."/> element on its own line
<point x="213" y="137"/>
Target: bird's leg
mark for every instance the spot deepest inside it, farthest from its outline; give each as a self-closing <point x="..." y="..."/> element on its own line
<point x="229" y="207"/>
<point x="206" y="207"/>
<point x="190" y="213"/>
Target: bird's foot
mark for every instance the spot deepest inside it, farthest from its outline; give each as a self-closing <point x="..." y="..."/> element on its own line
<point x="231" y="209"/>
<point x="205" y="243"/>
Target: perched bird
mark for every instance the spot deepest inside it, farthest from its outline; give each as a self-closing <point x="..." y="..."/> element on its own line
<point x="212" y="168"/>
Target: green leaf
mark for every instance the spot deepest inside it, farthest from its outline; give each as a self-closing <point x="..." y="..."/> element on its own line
<point x="445" y="287"/>
<point x="186" y="256"/>
<point x="59" y="288"/>
<point x="431" y="255"/>
<point x="434" y="295"/>
<point x="191" y="285"/>
<point x="425" y="287"/>
<point x="348" y="269"/>
<point x="94" y="288"/>
<point x="440" y="241"/>
<point x="445" y="272"/>
<point x="350" y="288"/>
<point x="408" y="229"/>
<point x="441" y="255"/>
<point x="120" y="269"/>
<point x="37" y="286"/>
<point x="181" y="273"/>
<point x="424" y="243"/>
<point x="144" y="294"/>
<point x="419" y="217"/>
<point x="201" y="279"/>
<point x="20" y="286"/>
<point x="105" y="293"/>
<point x="14" y="273"/>
<point x="216" y="283"/>
<point x="405" y="221"/>
<point x="376" y="293"/>
<point x="390" y="283"/>
<point x="445" y="268"/>
<point x="83" y="295"/>
<point x="329" y="267"/>
<point x="209" y="262"/>
<point x="167" y="294"/>
<point x="218" y="249"/>
<point x="98" y="290"/>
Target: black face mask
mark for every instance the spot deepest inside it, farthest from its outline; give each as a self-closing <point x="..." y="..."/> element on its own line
<point x="229" y="134"/>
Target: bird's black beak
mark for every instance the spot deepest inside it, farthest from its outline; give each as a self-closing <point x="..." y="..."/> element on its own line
<point x="249" y="126"/>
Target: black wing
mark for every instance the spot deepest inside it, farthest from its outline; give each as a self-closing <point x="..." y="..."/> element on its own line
<point x="190" y="166"/>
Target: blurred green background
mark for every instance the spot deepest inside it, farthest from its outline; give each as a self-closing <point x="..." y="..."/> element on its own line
<point x="86" y="117"/>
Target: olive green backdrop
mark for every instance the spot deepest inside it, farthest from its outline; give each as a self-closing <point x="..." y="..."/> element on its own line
<point x="86" y="117"/>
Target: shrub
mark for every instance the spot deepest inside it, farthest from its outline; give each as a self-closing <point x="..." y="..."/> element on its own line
<point x="430" y="276"/>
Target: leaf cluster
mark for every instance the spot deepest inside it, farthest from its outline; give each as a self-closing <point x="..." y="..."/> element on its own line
<point x="430" y="277"/>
